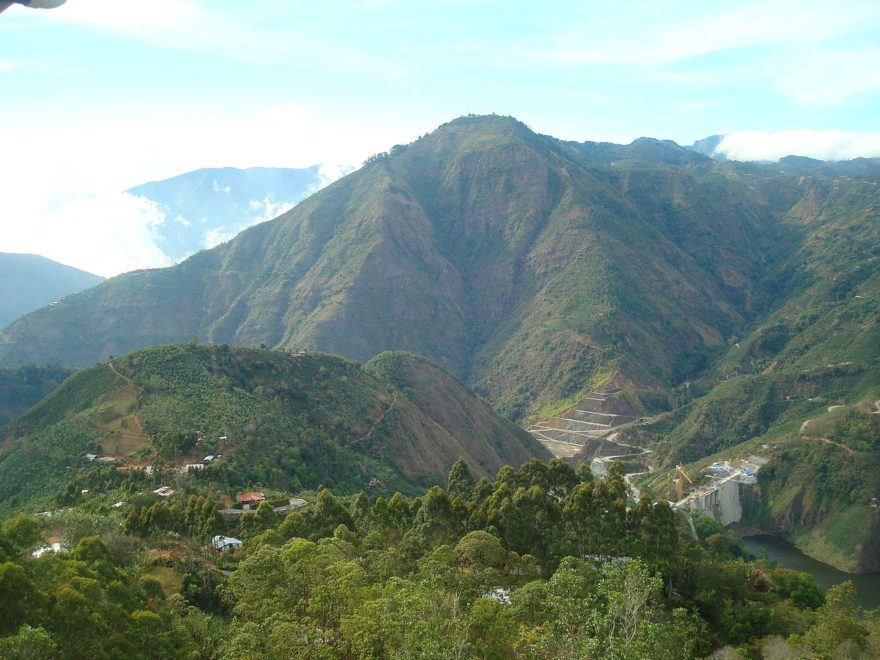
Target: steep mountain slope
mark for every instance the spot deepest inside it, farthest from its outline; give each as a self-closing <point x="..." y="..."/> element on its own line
<point x="28" y="282"/>
<point x="730" y="302"/>
<point x="527" y="266"/>
<point x="286" y="420"/>
<point x="207" y="206"/>
<point x="21" y="388"/>
<point x="780" y="390"/>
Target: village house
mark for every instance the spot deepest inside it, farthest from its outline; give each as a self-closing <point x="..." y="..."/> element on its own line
<point x="52" y="547"/>
<point x="249" y="499"/>
<point x="223" y="543"/>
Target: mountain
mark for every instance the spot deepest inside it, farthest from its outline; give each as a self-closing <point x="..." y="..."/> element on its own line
<point x="23" y="387"/>
<point x="527" y="266"/>
<point x="793" y="164"/>
<point x="207" y="206"/>
<point x="730" y="302"/>
<point x="28" y="282"/>
<point x="287" y="421"/>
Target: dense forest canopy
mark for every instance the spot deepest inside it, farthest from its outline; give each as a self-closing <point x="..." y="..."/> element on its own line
<point x="541" y="562"/>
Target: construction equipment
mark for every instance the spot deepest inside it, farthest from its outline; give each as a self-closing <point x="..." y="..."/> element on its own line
<point x="679" y="482"/>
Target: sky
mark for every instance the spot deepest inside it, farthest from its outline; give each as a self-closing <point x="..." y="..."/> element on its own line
<point x="98" y="96"/>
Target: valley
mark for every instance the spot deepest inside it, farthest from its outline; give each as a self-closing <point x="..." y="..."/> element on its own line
<point x="694" y="308"/>
<point x="691" y="344"/>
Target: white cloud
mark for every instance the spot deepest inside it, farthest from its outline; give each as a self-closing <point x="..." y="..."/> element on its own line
<point x="823" y="145"/>
<point x="105" y="234"/>
<point x="659" y="33"/>
<point x="823" y="80"/>
<point x="60" y="189"/>
<point x="267" y="208"/>
<point x="698" y="106"/>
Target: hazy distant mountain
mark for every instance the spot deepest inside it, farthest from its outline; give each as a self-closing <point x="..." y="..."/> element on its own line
<point x="28" y="282"/>
<point x="208" y="206"/>
<point x="793" y="164"/>
<point x="708" y="147"/>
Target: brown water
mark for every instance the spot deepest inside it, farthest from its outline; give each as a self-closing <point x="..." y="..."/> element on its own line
<point x="785" y="554"/>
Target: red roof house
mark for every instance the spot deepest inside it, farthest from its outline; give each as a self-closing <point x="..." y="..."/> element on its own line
<point x="250" y="498"/>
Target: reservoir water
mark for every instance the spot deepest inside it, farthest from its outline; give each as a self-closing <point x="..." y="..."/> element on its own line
<point x="785" y="554"/>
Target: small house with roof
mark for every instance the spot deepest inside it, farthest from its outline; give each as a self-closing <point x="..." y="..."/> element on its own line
<point x="222" y="543"/>
<point x="249" y="499"/>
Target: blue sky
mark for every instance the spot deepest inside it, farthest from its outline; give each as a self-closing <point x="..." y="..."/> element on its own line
<point x="100" y="95"/>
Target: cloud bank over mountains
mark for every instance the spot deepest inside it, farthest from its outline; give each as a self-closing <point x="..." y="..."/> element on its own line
<point x="831" y="145"/>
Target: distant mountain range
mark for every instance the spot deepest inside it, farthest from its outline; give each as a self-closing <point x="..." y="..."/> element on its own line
<point x="208" y="206"/>
<point x="713" y="147"/>
<point x="28" y="282"/>
<point x="741" y="299"/>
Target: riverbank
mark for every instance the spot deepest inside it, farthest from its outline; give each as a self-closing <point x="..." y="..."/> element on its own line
<point x="826" y="576"/>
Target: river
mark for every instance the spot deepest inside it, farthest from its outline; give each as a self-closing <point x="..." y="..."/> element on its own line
<point x="785" y="554"/>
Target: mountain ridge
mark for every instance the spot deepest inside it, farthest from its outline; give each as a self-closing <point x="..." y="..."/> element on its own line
<point x="288" y="421"/>
<point x="30" y="281"/>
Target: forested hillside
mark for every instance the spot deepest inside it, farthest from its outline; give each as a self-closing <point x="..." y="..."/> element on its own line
<point x="527" y="266"/>
<point x="542" y="562"/>
<point x="23" y="387"/>
<point x="280" y="420"/>
<point x="731" y="303"/>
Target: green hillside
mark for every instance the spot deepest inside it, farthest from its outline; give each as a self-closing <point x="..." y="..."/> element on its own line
<point x="22" y="387"/>
<point x="286" y="421"/>
<point x="730" y="302"/>
<point x="522" y="264"/>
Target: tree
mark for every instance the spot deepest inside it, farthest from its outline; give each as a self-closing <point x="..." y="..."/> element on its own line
<point x="436" y="522"/>
<point x="28" y="644"/>
<point x="17" y="596"/>
<point x="460" y="482"/>
<point x="478" y="550"/>
<point x="22" y="533"/>
<point x="839" y="631"/>
<point x="327" y="515"/>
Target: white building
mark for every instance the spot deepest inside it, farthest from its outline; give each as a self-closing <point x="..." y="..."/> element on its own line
<point x="222" y="543"/>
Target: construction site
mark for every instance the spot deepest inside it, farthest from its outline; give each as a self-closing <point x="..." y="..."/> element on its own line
<point x="590" y="431"/>
<point x="719" y="496"/>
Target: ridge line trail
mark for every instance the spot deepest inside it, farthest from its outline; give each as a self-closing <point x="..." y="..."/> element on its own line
<point x="118" y="373"/>
<point x="366" y="435"/>
<point x="137" y="418"/>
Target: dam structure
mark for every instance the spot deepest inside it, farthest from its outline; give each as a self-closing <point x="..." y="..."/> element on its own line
<point x="720" y="497"/>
